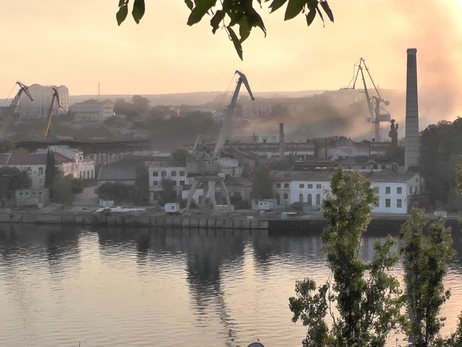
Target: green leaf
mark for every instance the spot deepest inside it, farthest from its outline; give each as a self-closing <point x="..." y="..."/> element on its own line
<point x="310" y="17"/>
<point x="202" y="7"/>
<point x="121" y="3"/>
<point x="256" y="21"/>
<point x="236" y="42"/>
<point x="189" y="3"/>
<point x="138" y="10"/>
<point x="320" y="15"/>
<point x="327" y="10"/>
<point x="276" y="4"/>
<point x="294" y="7"/>
<point x="216" y="20"/>
<point x="244" y="29"/>
<point x="312" y="4"/>
<point x="122" y="14"/>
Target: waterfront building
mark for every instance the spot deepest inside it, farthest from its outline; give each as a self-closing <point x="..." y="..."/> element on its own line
<point x="159" y="171"/>
<point x="93" y="110"/>
<point x="35" y="165"/>
<point x="395" y="190"/>
<point x="39" y="107"/>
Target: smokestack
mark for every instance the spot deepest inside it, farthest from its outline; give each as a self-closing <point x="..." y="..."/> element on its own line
<point x="281" y="141"/>
<point x="412" y="137"/>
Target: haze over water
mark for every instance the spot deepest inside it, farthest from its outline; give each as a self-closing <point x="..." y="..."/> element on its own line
<point x="131" y="288"/>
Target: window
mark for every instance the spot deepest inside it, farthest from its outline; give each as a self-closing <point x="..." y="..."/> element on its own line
<point x="40" y="170"/>
<point x="173" y="173"/>
<point x="383" y="167"/>
<point x="399" y="190"/>
<point x="387" y="190"/>
<point x="410" y="190"/>
<point x="286" y="196"/>
<point x="302" y="185"/>
<point x="310" y="200"/>
<point x="174" y="183"/>
<point x="387" y="203"/>
<point x="155" y="183"/>
<point x="375" y="167"/>
<point x="278" y="197"/>
<point x="318" y="186"/>
<point x="318" y="200"/>
<point x="155" y="173"/>
<point x="181" y="173"/>
<point x="181" y="183"/>
<point x="286" y="185"/>
<point x="300" y="198"/>
<point x="399" y="203"/>
<point x="310" y="186"/>
<point x="278" y="185"/>
<point x="163" y="173"/>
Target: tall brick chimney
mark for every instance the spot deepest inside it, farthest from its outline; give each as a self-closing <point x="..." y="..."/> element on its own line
<point x="412" y="136"/>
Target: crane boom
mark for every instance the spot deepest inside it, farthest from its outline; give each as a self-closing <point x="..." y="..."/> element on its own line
<point x="373" y="102"/>
<point x="14" y="103"/>
<point x="229" y="115"/>
<point x="46" y="130"/>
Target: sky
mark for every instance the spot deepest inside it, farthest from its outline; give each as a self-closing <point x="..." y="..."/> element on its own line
<point x="78" y="44"/>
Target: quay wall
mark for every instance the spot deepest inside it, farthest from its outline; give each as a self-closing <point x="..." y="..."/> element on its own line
<point x="382" y="225"/>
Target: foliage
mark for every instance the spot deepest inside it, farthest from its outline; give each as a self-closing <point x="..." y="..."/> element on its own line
<point x="142" y="185"/>
<point x="76" y="184"/>
<point x="6" y="146"/>
<point x="168" y="193"/>
<point x="262" y="184"/>
<point x="459" y="175"/>
<point x="62" y="190"/>
<point x="441" y="147"/>
<point x="366" y="295"/>
<point x="284" y="164"/>
<point x="50" y="170"/>
<point x="232" y="13"/>
<point x="178" y="156"/>
<point x="138" y="106"/>
<point x="117" y="192"/>
<point x="424" y="262"/>
<point x="12" y="179"/>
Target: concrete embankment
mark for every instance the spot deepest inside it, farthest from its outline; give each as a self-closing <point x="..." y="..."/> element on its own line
<point x="380" y="225"/>
<point x="132" y="220"/>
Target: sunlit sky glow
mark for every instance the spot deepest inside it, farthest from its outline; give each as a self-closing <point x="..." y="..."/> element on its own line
<point x="78" y="43"/>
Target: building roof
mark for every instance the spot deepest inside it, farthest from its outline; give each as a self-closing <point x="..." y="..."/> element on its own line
<point x="325" y="176"/>
<point x="30" y="159"/>
<point x="117" y="172"/>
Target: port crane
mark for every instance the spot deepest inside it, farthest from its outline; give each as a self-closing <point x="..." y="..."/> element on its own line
<point x="373" y="101"/>
<point x="46" y="130"/>
<point x="202" y="166"/>
<point x="11" y="108"/>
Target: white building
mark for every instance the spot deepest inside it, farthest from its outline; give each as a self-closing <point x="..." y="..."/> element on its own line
<point x="81" y="168"/>
<point x="310" y="187"/>
<point x="93" y="110"/>
<point x="35" y="165"/>
<point x="159" y="171"/>
<point x="42" y="95"/>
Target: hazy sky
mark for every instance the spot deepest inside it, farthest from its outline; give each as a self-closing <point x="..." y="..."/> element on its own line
<point x="78" y="43"/>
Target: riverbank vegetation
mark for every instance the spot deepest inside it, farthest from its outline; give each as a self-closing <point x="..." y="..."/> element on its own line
<point x="362" y="303"/>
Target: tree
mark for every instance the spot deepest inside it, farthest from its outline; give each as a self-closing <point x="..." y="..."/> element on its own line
<point x="231" y="13"/>
<point x="262" y="184"/>
<point x="12" y="179"/>
<point x="168" y="193"/>
<point x="424" y="262"/>
<point x="6" y="146"/>
<point x="62" y="190"/>
<point x="178" y="156"/>
<point x="50" y="170"/>
<point x="76" y="184"/>
<point x="142" y="185"/>
<point x="368" y="306"/>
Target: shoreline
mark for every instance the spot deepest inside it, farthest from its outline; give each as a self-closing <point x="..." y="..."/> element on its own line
<point x="380" y="224"/>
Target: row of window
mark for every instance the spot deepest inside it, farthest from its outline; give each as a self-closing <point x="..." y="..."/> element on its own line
<point x="164" y="173"/>
<point x="174" y="183"/>
<point x="399" y="203"/>
<point x="301" y="185"/>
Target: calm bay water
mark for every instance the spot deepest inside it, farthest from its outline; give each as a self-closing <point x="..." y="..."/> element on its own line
<point x="59" y="286"/>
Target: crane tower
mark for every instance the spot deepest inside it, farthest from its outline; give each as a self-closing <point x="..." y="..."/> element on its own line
<point x="373" y="101"/>
<point x="202" y="166"/>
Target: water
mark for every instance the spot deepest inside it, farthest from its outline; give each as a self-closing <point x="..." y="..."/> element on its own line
<point x="131" y="288"/>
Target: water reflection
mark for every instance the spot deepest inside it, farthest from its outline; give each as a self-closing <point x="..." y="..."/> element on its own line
<point x="132" y="287"/>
